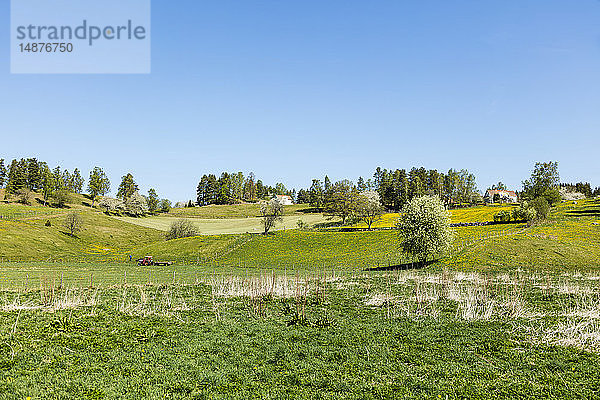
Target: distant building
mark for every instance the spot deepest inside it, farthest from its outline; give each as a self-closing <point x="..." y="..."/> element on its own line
<point x="506" y="196"/>
<point x="284" y="199"/>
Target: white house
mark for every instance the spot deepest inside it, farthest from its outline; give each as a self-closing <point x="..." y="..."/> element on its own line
<point x="506" y="196"/>
<point x="284" y="199"/>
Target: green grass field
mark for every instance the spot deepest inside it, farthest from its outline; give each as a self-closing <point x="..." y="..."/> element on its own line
<point x="471" y="214"/>
<point x="218" y="226"/>
<point x="409" y="334"/>
<point x="513" y="312"/>
<point x="247" y="210"/>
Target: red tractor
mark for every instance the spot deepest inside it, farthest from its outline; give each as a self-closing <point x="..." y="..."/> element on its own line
<point x="148" y="261"/>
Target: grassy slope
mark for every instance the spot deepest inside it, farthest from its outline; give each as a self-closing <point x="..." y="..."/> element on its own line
<point x="564" y="241"/>
<point x="217" y="226"/>
<point x="102" y="236"/>
<point x="569" y="239"/>
<point x="471" y="214"/>
<point x="230" y="211"/>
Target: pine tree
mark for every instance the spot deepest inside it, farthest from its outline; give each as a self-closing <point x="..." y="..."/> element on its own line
<point x="77" y="181"/>
<point x="98" y="184"/>
<point x="34" y="176"/>
<point x="2" y="173"/>
<point x="153" y="200"/>
<point x="127" y="187"/>
<point x="361" y="185"/>
<point x="17" y="176"/>
<point x="48" y="183"/>
<point x="59" y="183"/>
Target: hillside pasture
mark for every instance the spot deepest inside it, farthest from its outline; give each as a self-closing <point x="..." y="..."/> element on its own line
<point x="246" y="210"/>
<point x="217" y="226"/>
<point x="459" y="215"/>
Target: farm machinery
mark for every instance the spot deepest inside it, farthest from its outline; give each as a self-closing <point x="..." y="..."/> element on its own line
<point x="148" y="261"/>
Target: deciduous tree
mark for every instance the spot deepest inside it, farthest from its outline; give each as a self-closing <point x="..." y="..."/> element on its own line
<point x="73" y="223"/>
<point x="424" y="228"/>
<point x="369" y="208"/>
<point x="271" y="212"/>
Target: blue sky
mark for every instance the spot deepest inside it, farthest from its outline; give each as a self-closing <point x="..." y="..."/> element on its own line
<point x="296" y="90"/>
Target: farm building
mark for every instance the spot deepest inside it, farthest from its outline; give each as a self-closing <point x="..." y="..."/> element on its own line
<point x="285" y="200"/>
<point x="506" y="196"/>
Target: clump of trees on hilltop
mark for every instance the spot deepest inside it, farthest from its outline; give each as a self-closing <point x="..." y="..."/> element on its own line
<point x="232" y="188"/>
<point x="27" y="176"/>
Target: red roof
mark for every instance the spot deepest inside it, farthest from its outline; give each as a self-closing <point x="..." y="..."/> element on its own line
<point x="500" y="192"/>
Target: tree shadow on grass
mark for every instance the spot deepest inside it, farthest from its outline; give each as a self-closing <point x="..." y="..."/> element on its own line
<point x="69" y="235"/>
<point x="311" y="210"/>
<point x="401" y="267"/>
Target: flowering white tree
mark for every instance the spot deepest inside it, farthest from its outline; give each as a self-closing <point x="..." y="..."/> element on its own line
<point x="424" y="228"/>
<point x="137" y="205"/>
<point x="270" y="212"/>
<point x="369" y="208"/>
<point x="110" y="205"/>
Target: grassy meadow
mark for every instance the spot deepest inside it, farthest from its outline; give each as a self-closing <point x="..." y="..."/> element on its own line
<point x="217" y="226"/>
<point x="512" y="312"/>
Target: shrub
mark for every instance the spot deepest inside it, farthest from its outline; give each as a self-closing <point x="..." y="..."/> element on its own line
<point x="541" y="207"/>
<point x="47" y="223"/>
<point x="303" y="226"/>
<point x="24" y="196"/>
<point x="110" y="205"/>
<point x="61" y="197"/>
<point x="180" y="229"/>
<point x="524" y="213"/>
<point x="502" y="216"/>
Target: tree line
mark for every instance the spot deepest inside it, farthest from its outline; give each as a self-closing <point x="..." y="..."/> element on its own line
<point x="232" y="188"/>
<point x="25" y="176"/>
<point x="397" y="187"/>
<point x="584" y="188"/>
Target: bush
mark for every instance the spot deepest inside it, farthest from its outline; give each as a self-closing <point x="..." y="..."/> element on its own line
<point x="61" y="197"/>
<point x="303" y="226"/>
<point x="541" y="207"/>
<point x="180" y="229"/>
<point x="524" y="213"/>
<point x="24" y="196"/>
<point x="110" y="205"/>
<point x="552" y="196"/>
<point x="502" y="216"/>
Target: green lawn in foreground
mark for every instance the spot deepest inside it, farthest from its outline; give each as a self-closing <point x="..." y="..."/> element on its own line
<point x="406" y="335"/>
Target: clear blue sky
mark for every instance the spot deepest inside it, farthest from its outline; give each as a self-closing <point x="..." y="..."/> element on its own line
<point x="296" y="90"/>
